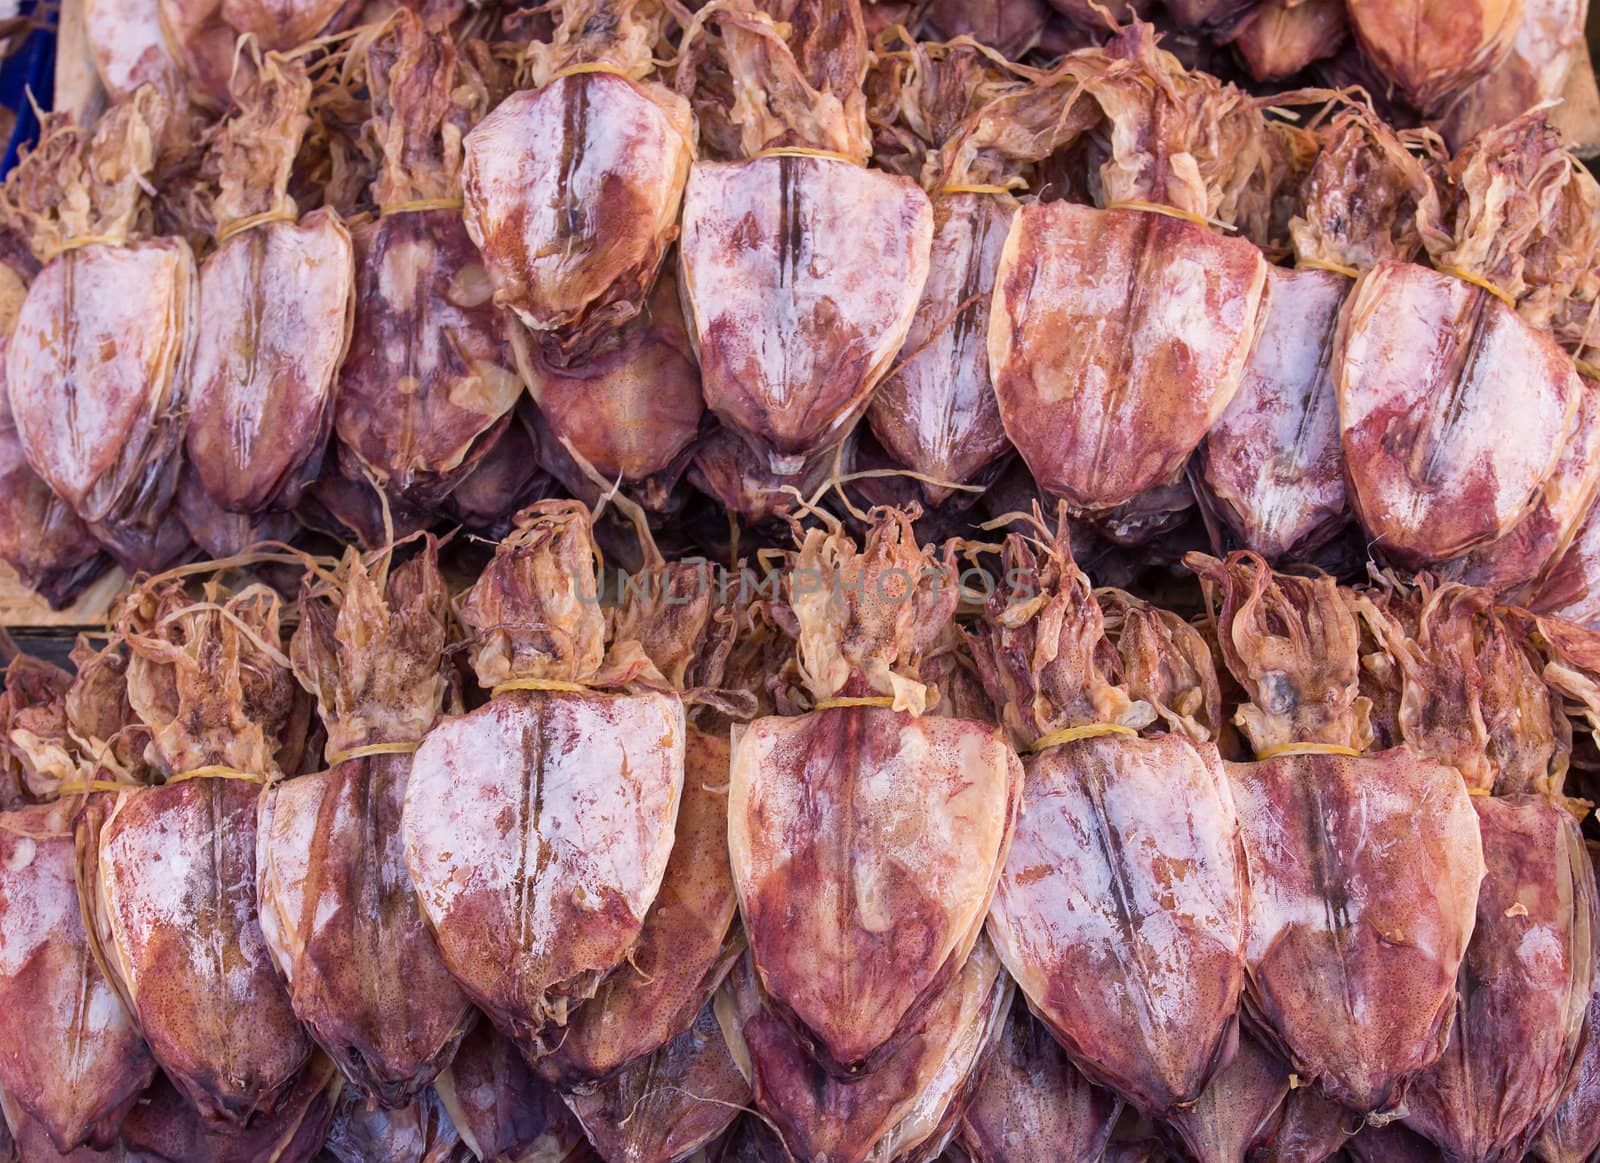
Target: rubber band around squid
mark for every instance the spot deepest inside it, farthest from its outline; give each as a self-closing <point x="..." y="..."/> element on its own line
<point x="538" y="684"/>
<point x="420" y="205"/>
<point x="1308" y="749"/>
<point x="335" y="758"/>
<point x="1072" y="734"/>
<point x="1478" y="281"/>
<point x="217" y="771"/>
<point x="588" y="67"/>
<point x="803" y="151"/>
<point x="85" y="787"/>
<point x="1168" y="211"/>
<point x="1322" y="264"/>
<point x="965" y="188"/>
<point x="854" y="701"/>
<point x="82" y="241"/>
<point x="249" y="222"/>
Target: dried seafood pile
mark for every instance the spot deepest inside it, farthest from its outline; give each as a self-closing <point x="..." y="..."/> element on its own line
<point x="872" y="850"/>
<point x="364" y="275"/>
<point x="806" y="580"/>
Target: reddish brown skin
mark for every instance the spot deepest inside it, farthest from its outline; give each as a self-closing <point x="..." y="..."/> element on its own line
<point x="682" y="951"/>
<point x="738" y="477"/>
<point x="1011" y="26"/>
<point x="1236" y="1110"/>
<point x="370" y="984"/>
<point x="507" y="480"/>
<point x="568" y="189"/>
<point x="1033" y="1103"/>
<point x="280" y="25"/>
<point x="818" y="1116"/>
<point x="498" y="1103"/>
<point x="277" y="295"/>
<point x="1433" y="49"/>
<point x="439" y="334"/>
<point x="580" y="786"/>
<point x="662" y="1107"/>
<point x="231" y="1053"/>
<point x="1520" y="1008"/>
<point x="1284" y="36"/>
<point x="633" y="404"/>
<point x="164" y="1126"/>
<point x="887" y="975"/>
<point x="82" y="393"/>
<point x="1318" y="809"/>
<point x="78" y="1082"/>
<point x="937" y="413"/>
<point x="1104" y="397"/>
<point x="221" y="533"/>
<point x="1421" y="362"/>
<point x="1272" y="465"/>
<point x="1143" y="985"/>
<point x="750" y="226"/>
<point x="1572" y="1134"/>
<point x="1309" y="1129"/>
<point x="1507" y="565"/>
<point x="41" y="538"/>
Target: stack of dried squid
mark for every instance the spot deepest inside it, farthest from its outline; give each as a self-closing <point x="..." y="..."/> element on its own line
<point x="897" y="838"/>
<point x="884" y="852"/>
<point x="420" y="269"/>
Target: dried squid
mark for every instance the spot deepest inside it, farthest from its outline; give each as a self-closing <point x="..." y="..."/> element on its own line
<point x="1135" y="969"/>
<point x="68" y="738"/>
<point x="98" y="403"/>
<point x="1431" y="50"/>
<point x="688" y="941"/>
<point x="80" y="1077"/>
<point x="1572" y="1132"/>
<point x="630" y="406"/>
<point x="1118" y="335"/>
<point x="419" y="1132"/>
<point x="1033" y="1101"/>
<point x="273" y="320"/>
<point x="800" y="268"/>
<point x="1278" y="38"/>
<point x="501" y="1109"/>
<point x="907" y="1107"/>
<point x="866" y="836"/>
<point x="1347" y="850"/>
<point x="573" y="186"/>
<point x="1472" y="698"/>
<point x="337" y="907"/>
<point x="1235" y="1114"/>
<point x="169" y="871"/>
<point x="52" y="551"/>
<point x="1270" y="468"/>
<point x="1547" y="44"/>
<point x="428" y="382"/>
<point x="1438" y="457"/>
<point x="666" y="1105"/>
<point x="538" y="827"/>
<point x="164" y="1126"/>
<point x="936" y="412"/>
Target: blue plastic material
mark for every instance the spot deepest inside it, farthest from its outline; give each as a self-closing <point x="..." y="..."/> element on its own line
<point x="32" y="68"/>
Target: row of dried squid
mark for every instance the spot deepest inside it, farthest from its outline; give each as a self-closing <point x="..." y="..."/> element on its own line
<point x="739" y="252"/>
<point x="890" y="852"/>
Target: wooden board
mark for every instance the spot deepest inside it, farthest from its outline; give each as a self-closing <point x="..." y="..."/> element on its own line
<point x="20" y="606"/>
